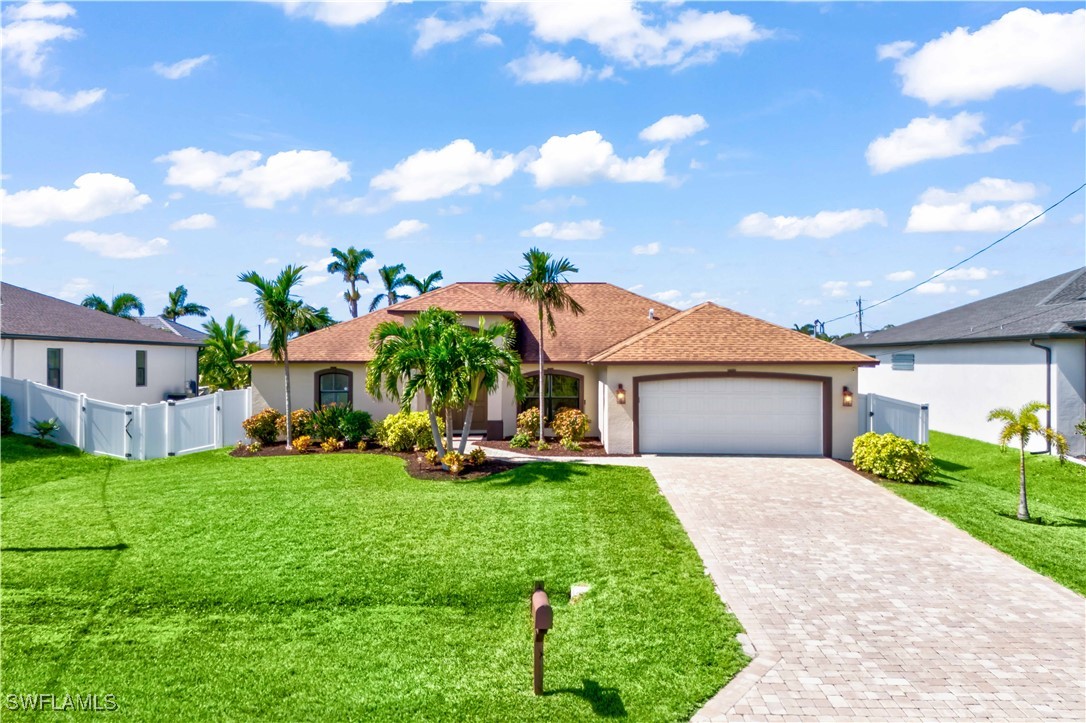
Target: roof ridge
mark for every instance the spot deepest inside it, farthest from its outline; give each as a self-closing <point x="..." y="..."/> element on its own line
<point x="1073" y="277"/>
<point x="633" y="339"/>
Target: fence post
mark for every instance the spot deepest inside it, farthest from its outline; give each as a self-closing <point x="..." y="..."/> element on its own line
<point x="81" y="422"/>
<point x="218" y="420"/>
<point x="871" y="412"/>
<point x="26" y="405"/>
<point x="169" y="428"/>
<point x="923" y="424"/>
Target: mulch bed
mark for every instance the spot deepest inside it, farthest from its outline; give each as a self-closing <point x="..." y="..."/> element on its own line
<point x="589" y="448"/>
<point x="415" y="463"/>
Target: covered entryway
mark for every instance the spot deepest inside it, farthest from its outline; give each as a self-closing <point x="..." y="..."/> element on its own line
<point x="732" y="414"/>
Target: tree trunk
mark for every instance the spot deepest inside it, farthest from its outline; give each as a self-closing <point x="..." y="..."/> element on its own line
<point x="1023" y="506"/>
<point x="468" y="414"/>
<point x="448" y="428"/>
<point x="434" y="429"/>
<point x="286" y="377"/>
<point x="542" y="422"/>
<point x="354" y="300"/>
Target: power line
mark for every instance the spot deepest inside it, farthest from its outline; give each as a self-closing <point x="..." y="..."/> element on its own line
<point x="963" y="261"/>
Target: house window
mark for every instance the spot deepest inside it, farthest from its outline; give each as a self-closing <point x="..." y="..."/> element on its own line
<point x="141" y="368"/>
<point x="54" y="362"/>
<point x="333" y="387"/>
<point x="902" y="362"/>
<point x="559" y="390"/>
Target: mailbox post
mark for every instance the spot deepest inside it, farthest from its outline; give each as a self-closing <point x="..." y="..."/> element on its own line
<point x="542" y="620"/>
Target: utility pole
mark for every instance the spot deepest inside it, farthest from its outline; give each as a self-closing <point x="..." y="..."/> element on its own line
<point x="814" y="329"/>
<point x="860" y="313"/>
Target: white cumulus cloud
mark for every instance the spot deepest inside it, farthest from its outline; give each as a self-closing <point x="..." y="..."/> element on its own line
<point x="180" y="69"/>
<point x="93" y="196"/>
<point x="407" y="227"/>
<point x="589" y="229"/>
<point x="196" y="222"/>
<point x="456" y="168"/>
<point x="673" y="128"/>
<point x="29" y="29"/>
<point x="117" y="245"/>
<point x="935" y="287"/>
<point x="906" y="275"/>
<point x="823" y="224"/>
<point x="649" y="249"/>
<point x="336" y="13"/>
<point x="667" y="296"/>
<point x="585" y="157"/>
<point x="51" y="101"/>
<point x="314" y="240"/>
<point x="545" y="67"/>
<point x="968" y="273"/>
<point x="940" y="211"/>
<point x="835" y="289"/>
<point x="933" y="137"/>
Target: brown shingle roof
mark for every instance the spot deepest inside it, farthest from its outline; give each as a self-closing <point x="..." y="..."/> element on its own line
<point x="347" y="341"/>
<point x="26" y="314"/>
<point x="458" y="297"/>
<point x="708" y="333"/>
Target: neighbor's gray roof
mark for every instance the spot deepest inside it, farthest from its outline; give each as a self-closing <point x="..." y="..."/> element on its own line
<point x="26" y="314"/>
<point x="161" y="322"/>
<point x="1055" y="307"/>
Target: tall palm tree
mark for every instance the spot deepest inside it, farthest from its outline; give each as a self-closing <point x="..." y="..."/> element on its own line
<point x="122" y="305"/>
<point x="544" y="284"/>
<point x="285" y="315"/>
<point x="393" y="279"/>
<point x="483" y="358"/>
<point x="224" y="344"/>
<point x="180" y="306"/>
<point x="423" y="285"/>
<point x="349" y="263"/>
<point x="1022" y="425"/>
<point x="319" y="319"/>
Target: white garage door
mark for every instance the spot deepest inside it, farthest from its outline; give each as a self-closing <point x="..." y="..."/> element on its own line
<point x="730" y="416"/>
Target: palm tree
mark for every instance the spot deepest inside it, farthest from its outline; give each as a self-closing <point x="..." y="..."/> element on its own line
<point x="179" y="305"/>
<point x="393" y="278"/>
<point x="224" y="344"/>
<point x="424" y="285"/>
<point x="485" y="356"/>
<point x="285" y="315"/>
<point x="319" y="319"/>
<point x="543" y="284"/>
<point x="1022" y="425"/>
<point x="349" y="263"/>
<point x="122" y="305"/>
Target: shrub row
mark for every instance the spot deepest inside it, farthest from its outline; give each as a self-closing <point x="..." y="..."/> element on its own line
<point x="570" y="425"/>
<point x="330" y="422"/>
<point x="892" y="457"/>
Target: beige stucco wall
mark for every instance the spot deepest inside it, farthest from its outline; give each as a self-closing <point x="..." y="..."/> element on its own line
<point x="617" y="425"/>
<point x="269" y="391"/>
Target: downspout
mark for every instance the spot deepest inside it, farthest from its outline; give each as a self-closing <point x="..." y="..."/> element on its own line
<point x="1048" y="389"/>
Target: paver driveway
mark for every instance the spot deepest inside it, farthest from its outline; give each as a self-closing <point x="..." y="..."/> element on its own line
<point x="863" y="606"/>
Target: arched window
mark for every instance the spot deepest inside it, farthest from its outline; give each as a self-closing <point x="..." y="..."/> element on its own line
<point x="333" y="386"/>
<point x="559" y="390"/>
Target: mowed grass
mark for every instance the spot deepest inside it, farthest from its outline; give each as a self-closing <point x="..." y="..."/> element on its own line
<point x="977" y="489"/>
<point x="338" y="588"/>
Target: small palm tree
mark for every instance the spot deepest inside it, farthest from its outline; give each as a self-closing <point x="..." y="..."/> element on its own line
<point x="180" y="306"/>
<point x="122" y="305"/>
<point x="285" y="315"/>
<point x="225" y="343"/>
<point x="393" y="279"/>
<point x="544" y="284"/>
<point x="1022" y="425"/>
<point x="484" y="357"/>
<point x="349" y="263"/>
<point x="422" y="286"/>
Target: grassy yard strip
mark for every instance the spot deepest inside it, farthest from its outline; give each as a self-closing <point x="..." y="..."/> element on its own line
<point x="977" y="489"/>
<point x="337" y="587"/>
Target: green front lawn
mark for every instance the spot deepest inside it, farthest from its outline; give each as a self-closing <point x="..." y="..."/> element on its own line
<point x="977" y="489"/>
<point x="337" y="587"/>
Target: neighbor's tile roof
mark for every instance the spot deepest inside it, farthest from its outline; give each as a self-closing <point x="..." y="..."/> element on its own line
<point x="347" y="341"/>
<point x="708" y="333"/>
<point x="28" y="314"/>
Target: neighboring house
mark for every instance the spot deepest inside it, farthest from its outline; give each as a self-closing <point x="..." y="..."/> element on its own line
<point x="652" y="379"/>
<point x="1023" y="345"/>
<point x="173" y="327"/>
<point x="81" y="350"/>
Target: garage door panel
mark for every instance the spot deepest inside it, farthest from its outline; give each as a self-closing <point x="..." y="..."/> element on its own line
<point x="730" y="416"/>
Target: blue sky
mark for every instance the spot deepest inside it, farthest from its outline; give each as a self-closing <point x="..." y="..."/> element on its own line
<point x="780" y="159"/>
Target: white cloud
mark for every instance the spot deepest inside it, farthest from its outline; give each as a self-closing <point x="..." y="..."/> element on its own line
<point x="667" y="296"/>
<point x="835" y="289"/>
<point x="901" y="276"/>
<point x="933" y="137"/>
<point x="1022" y="49"/>
<point x="453" y="210"/>
<point x="584" y="157"/>
<point x="283" y="175"/>
<point x="271" y="260"/>
<point x="894" y="51"/>
<point x="50" y="101"/>
<point x="196" y="222"/>
<point x="673" y="128"/>
<point x="589" y="229"/>
<point x="560" y="203"/>
<point x="539" y="67"/>
<point x="314" y="240"/>
<point x="238" y="302"/>
<point x="180" y="69"/>
<point x="407" y="227"/>
<point x="316" y="272"/>
<point x="863" y="284"/>
<point x="935" y="287"/>
<point x="93" y="196"/>
<point x="968" y="273"/>
<point x="696" y="165"/>
<point x="824" y="224"/>
<point x="337" y="13"/>
<point x="28" y="32"/>
<point x="117" y="245"/>
<point x="940" y="210"/>
<point x="1078" y="125"/>
<point x="649" y="249"/>
<point x="75" y="288"/>
<point x="635" y="287"/>
<point x="456" y="168"/>
<point x="488" y="39"/>
<point x="973" y="292"/>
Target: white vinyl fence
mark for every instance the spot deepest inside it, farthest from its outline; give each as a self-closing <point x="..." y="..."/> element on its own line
<point x="143" y="431"/>
<point x="883" y="414"/>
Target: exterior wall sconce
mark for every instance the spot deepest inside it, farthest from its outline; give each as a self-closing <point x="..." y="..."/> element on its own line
<point x="620" y="394"/>
<point x="846" y="397"/>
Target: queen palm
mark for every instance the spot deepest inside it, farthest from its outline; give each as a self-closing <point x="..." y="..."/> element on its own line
<point x="225" y="343"/>
<point x="1022" y="425"/>
<point x="285" y="315"/>
<point x="122" y="305"/>
<point x="179" y="305"/>
<point x="544" y="285"/>
<point x="393" y="279"/>
<point x="423" y="285"/>
<point x="484" y="357"/>
<point x="349" y="263"/>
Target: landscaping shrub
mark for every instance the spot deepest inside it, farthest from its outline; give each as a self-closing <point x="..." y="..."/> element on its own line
<point x="326" y="420"/>
<point x="528" y="422"/>
<point x="362" y="444"/>
<point x="521" y="440"/>
<point x="331" y="444"/>
<point x="454" y="461"/>
<point x="45" y="427"/>
<point x="254" y="447"/>
<point x="541" y="445"/>
<point x="239" y="446"/>
<point x="301" y="423"/>
<point x="263" y="426"/>
<point x="571" y="425"/>
<point x="303" y="443"/>
<point x="406" y="431"/>
<point x="1080" y="427"/>
<point x="892" y="457"/>
<point x="432" y="457"/>
<point x="355" y="426"/>
<point x="5" y="415"/>
<point x="477" y="456"/>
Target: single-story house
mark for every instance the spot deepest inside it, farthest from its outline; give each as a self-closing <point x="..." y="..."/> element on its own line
<point x="651" y="378"/>
<point x="1019" y="346"/>
<point x="70" y="347"/>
